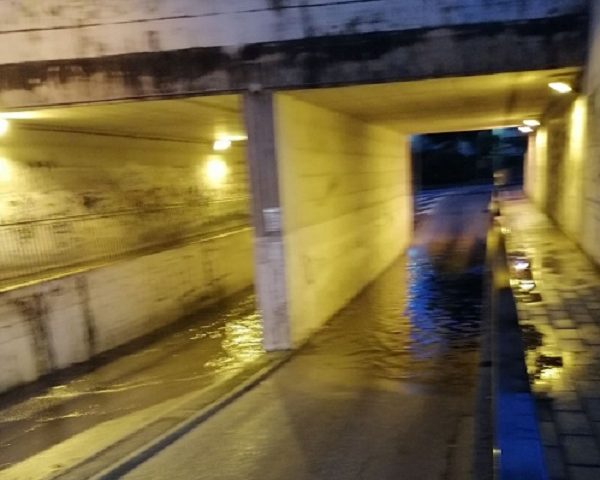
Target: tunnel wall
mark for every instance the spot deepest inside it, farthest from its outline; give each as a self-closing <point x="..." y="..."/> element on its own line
<point x="347" y="207"/>
<point x="556" y="164"/>
<point x="563" y="167"/>
<point x="70" y="199"/>
<point x="106" y="239"/>
<point x="53" y="324"/>
<point x="62" y="51"/>
<point x="591" y="210"/>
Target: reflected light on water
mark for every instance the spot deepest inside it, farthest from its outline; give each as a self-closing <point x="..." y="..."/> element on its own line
<point x="444" y="307"/>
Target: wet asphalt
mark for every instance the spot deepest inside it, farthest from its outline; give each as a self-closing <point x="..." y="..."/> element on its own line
<point x="384" y="391"/>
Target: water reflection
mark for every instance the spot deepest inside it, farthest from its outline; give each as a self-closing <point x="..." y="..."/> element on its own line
<point x="419" y="322"/>
<point x="444" y="305"/>
<point x="215" y="345"/>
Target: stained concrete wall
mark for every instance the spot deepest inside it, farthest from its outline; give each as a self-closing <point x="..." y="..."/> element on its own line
<point x="51" y="325"/>
<point x="555" y="168"/>
<point x="69" y="199"/>
<point x="63" y="29"/>
<point x="105" y="239"/>
<point x="563" y="164"/>
<point x="347" y="210"/>
<point x="591" y="210"/>
<point x="67" y="52"/>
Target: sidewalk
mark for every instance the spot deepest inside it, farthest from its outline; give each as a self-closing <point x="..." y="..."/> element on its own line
<point x="561" y="331"/>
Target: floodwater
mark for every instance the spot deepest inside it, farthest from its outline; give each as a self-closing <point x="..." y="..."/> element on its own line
<point x="384" y="390"/>
<point x="213" y="346"/>
<point x="420" y="320"/>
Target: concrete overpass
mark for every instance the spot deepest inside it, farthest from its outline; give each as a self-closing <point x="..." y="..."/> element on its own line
<point x="119" y="217"/>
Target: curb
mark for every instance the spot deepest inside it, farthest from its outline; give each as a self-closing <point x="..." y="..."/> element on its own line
<point x="141" y="455"/>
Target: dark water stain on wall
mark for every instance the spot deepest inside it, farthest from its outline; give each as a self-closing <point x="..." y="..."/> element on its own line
<point x="35" y="312"/>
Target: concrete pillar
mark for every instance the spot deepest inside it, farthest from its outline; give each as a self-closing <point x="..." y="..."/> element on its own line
<point x="266" y="213"/>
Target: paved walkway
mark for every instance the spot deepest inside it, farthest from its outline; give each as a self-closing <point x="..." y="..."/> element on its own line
<point x="562" y="335"/>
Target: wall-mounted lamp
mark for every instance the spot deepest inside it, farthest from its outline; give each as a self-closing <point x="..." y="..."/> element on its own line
<point x="560" y="87"/>
<point x="4" y="126"/>
<point x="525" y="129"/>
<point x="221" y="144"/>
<point x="5" y="170"/>
<point x="530" y="122"/>
<point x="216" y="171"/>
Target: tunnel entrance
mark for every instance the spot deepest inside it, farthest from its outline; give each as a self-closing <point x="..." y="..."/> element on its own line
<point x="117" y="220"/>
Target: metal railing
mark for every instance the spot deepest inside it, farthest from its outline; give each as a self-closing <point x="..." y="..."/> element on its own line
<point x="37" y="248"/>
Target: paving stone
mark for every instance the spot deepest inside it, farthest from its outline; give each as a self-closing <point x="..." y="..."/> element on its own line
<point x="592" y="340"/>
<point x="565" y="323"/>
<point x="588" y="389"/>
<point x="569" y="320"/>
<point x="592" y="408"/>
<point x="584" y="473"/>
<point x="555" y="463"/>
<point x="567" y="333"/>
<point x="573" y="423"/>
<point x="581" y="450"/>
<point x="572" y="345"/>
<point x="548" y="434"/>
<point x="566" y="401"/>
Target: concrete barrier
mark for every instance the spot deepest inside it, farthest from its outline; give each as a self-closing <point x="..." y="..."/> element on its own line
<point x="53" y="324"/>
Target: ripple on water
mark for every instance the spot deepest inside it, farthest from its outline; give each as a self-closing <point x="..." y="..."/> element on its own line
<point x="419" y="322"/>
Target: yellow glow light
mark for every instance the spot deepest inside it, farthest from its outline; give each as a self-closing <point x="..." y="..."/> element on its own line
<point x="216" y="171"/>
<point x="236" y="138"/>
<point x="531" y="122"/>
<point x="20" y="115"/>
<point x="4" y="126"/>
<point x="560" y="87"/>
<point x="550" y="373"/>
<point x="221" y="144"/>
<point x="5" y="170"/>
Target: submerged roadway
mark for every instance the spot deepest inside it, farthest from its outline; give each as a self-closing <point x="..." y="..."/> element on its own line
<point x="384" y="391"/>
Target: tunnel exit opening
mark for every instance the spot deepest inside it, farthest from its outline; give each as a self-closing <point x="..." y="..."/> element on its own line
<point x="443" y="162"/>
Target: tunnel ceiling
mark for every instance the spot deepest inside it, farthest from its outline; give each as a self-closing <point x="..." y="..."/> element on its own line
<point x="198" y="119"/>
<point x="445" y="104"/>
<point x="436" y="105"/>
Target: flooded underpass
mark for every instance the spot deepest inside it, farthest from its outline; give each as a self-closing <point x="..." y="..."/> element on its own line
<point x="384" y="390"/>
<point x="113" y="396"/>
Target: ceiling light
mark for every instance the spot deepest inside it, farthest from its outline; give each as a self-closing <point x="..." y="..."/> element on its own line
<point x="525" y="129"/>
<point x="23" y="115"/>
<point x="4" y="125"/>
<point x="216" y="171"/>
<point x="560" y="87"/>
<point x="5" y="171"/>
<point x="531" y="123"/>
<point x="222" y="144"/>
<point x="237" y="138"/>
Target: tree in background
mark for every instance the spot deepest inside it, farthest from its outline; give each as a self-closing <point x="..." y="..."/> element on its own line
<point x="442" y="159"/>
